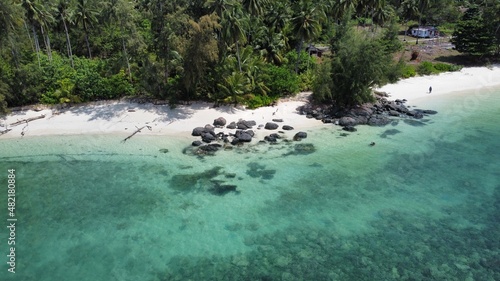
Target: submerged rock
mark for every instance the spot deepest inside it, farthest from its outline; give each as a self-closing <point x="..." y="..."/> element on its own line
<point x="302" y="149"/>
<point x="196" y="143"/>
<point x="299" y="136"/>
<point x="349" y="129"/>
<point x="287" y="128"/>
<point x="220" y="189"/>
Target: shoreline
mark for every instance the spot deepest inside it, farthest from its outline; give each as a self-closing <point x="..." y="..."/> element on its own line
<point x="467" y="79"/>
<point x="122" y="117"/>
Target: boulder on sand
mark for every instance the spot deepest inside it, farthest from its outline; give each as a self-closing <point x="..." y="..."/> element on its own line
<point x="271" y="126"/>
<point x="220" y="122"/>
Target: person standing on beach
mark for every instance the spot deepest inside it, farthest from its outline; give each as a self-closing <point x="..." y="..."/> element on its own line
<point x="430" y="89"/>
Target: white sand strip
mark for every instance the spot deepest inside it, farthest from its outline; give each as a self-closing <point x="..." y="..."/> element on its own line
<point x="123" y="118"/>
<point x="469" y="78"/>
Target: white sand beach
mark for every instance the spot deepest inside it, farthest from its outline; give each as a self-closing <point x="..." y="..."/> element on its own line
<point x="470" y="78"/>
<point x="122" y="117"/>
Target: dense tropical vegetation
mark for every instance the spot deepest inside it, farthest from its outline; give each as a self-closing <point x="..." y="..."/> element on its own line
<point x="226" y="51"/>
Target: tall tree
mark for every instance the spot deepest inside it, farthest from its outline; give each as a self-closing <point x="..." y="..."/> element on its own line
<point x="473" y="34"/>
<point x="65" y="13"/>
<point x="306" y="24"/>
<point x="232" y="29"/>
<point x="33" y="10"/>
<point x="202" y="51"/>
<point x="86" y="16"/>
<point x="254" y="7"/>
<point x="359" y="63"/>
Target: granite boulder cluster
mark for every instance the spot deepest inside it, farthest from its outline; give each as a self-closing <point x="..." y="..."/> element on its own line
<point x="379" y="113"/>
<point x="212" y="141"/>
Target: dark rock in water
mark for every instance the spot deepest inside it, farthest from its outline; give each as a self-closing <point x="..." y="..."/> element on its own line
<point x="414" y="123"/>
<point x="271" y="126"/>
<point x="275" y="136"/>
<point x="378" y="120"/>
<point x="250" y="132"/>
<point x="389" y="132"/>
<point x="210" y="147"/>
<point x="327" y="120"/>
<point x="197" y="143"/>
<point x="349" y="129"/>
<point x="399" y="107"/>
<point x="225" y="140"/>
<point x="270" y="139"/>
<point x="287" y="128"/>
<point x="244" y="137"/>
<point x="207" y="137"/>
<point x="222" y="189"/>
<point x="278" y="120"/>
<point x="309" y="116"/>
<point x="163" y="150"/>
<point x="347" y="121"/>
<point x="393" y="113"/>
<point x="259" y="171"/>
<point x="302" y="149"/>
<point x="221" y="121"/>
<point x="231" y="125"/>
<point x="299" y="136"/>
<point x="198" y="131"/>
<point x="188" y="182"/>
<point x="415" y="114"/>
<point x="428" y="111"/>
<point x="235" y="141"/>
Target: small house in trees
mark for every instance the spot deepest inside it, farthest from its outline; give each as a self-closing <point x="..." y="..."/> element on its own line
<point x="318" y="51"/>
<point x="425" y="32"/>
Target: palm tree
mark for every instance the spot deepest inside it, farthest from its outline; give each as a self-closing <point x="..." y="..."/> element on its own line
<point x="10" y="20"/>
<point x="65" y="14"/>
<point x="234" y="87"/>
<point x="219" y="6"/>
<point x="32" y="10"/>
<point x="232" y="29"/>
<point x="86" y="16"/>
<point x="45" y="18"/>
<point x="306" y="25"/>
<point x="121" y="12"/>
<point x="254" y="7"/>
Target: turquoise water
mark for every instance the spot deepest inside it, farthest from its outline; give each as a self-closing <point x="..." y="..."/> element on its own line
<point x="423" y="204"/>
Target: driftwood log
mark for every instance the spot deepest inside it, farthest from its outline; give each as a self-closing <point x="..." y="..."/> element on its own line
<point x="27" y="120"/>
<point x="137" y="131"/>
<point x="5" y="131"/>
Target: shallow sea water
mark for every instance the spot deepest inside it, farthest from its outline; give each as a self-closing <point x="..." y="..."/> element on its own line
<point x="422" y="204"/>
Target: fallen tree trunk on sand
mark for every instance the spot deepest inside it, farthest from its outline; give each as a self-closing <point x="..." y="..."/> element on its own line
<point x="5" y="131"/>
<point x="137" y="131"/>
<point x="27" y="120"/>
